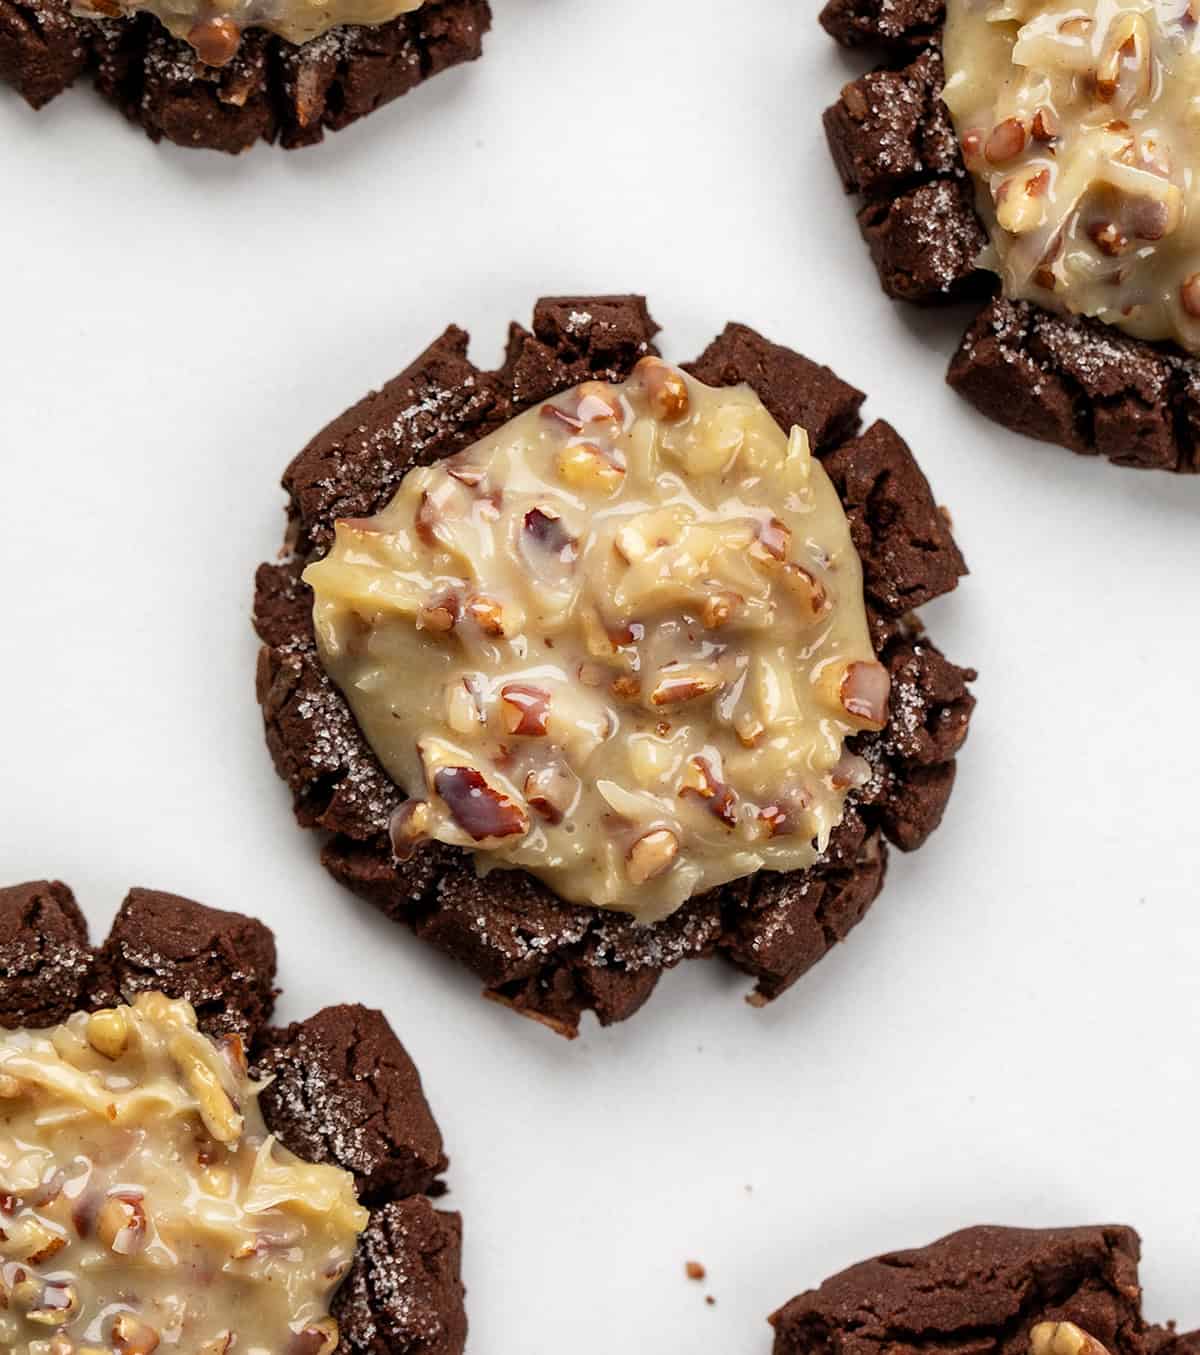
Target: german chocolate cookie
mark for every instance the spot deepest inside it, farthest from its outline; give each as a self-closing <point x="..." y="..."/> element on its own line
<point x="343" y="1091"/>
<point x="270" y="90"/>
<point x="537" y="954"/>
<point x="1074" y="381"/>
<point x="1011" y="1291"/>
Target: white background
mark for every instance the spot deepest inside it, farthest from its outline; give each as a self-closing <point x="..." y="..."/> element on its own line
<point x="1010" y="1036"/>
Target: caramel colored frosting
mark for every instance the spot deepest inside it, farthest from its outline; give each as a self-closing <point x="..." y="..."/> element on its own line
<point x="214" y="27"/>
<point x="1079" y="120"/>
<point x="144" y="1205"/>
<point x="620" y="643"/>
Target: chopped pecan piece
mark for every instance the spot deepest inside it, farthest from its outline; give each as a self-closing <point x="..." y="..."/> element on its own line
<point x="408" y="827"/>
<point x="666" y="390"/>
<point x="864" y="692"/>
<point x="674" y="689"/>
<point x="545" y="529"/>
<point x="651" y="855"/>
<point x="487" y="614"/>
<point x="479" y="809"/>
<point x="701" y="782"/>
<point x="526" y="708"/>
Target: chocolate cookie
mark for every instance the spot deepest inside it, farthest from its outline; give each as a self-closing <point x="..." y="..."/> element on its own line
<point x="1073" y="381"/>
<point x="1012" y="1291"/>
<point x="536" y="954"/>
<point x="344" y="1090"/>
<point x="271" y="90"/>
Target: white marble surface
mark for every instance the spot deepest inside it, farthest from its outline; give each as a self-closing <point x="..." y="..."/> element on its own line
<point x="1011" y="1035"/>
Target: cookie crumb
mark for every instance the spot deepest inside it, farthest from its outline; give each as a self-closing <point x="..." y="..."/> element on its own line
<point x="694" y="1270"/>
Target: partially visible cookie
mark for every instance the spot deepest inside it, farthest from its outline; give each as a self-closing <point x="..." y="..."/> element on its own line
<point x="344" y="1091"/>
<point x="1065" y="379"/>
<point x="271" y="90"/>
<point x="535" y="953"/>
<point x="984" y="1291"/>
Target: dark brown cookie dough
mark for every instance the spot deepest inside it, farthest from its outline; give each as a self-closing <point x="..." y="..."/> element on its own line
<point x="899" y="24"/>
<point x="548" y="959"/>
<point x="980" y="1292"/>
<point x="1082" y="384"/>
<point x="272" y="90"/>
<point x="223" y="963"/>
<point x="1075" y="382"/>
<point x="345" y="1091"/>
<point x="422" y="1316"/>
